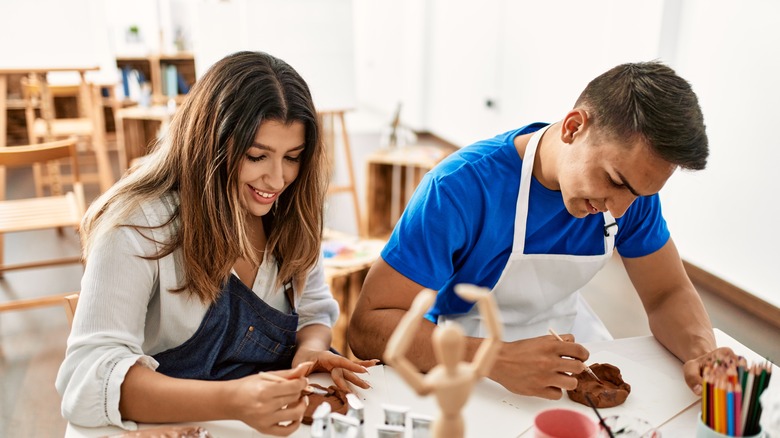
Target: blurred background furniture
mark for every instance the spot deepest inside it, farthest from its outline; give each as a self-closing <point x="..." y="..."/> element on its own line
<point x="44" y="123"/>
<point x="392" y="175"/>
<point x="137" y="129"/>
<point x="6" y="103"/>
<point x="170" y="75"/>
<point x="328" y="118"/>
<point x="55" y="211"/>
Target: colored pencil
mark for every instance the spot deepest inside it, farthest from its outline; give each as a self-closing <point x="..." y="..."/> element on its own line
<point x="730" y="398"/>
<point x="704" y="401"/>
<point x="718" y="408"/>
<point x="755" y="413"/>
<point x="746" y="400"/>
<point x="730" y="409"/>
<point x="737" y="410"/>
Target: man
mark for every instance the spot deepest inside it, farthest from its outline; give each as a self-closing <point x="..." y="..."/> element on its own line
<point x="534" y="214"/>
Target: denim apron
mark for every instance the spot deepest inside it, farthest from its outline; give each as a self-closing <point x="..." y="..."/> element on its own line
<point x="540" y="291"/>
<point x="239" y="335"/>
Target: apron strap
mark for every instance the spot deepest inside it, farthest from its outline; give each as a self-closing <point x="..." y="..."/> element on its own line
<point x="289" y="292"/>
<point x="610" y="231"/>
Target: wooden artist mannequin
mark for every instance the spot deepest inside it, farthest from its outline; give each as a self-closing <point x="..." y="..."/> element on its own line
<point x="452" y="379"/>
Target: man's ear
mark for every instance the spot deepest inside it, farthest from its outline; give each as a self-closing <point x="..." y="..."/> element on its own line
<point x="573" y="125"/>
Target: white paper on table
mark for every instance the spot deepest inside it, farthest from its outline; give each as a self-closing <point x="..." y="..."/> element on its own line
<point x="482" y="414"/>
<point x="654" y="396"/>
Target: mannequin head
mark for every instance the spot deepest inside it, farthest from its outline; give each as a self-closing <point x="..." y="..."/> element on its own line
<point x="448" y="345"/>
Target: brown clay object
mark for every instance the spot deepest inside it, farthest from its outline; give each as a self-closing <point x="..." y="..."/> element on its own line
<point x="335" y="397"/>
<point x="612" y="392"/>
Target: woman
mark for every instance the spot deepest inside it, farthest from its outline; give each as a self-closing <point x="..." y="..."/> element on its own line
<point x="203" y="266"/>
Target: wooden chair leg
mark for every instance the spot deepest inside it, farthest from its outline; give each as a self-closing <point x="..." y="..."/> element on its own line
<point x="2" y="196"/>
<point x="2" y="255"/>
<point x="38" y="178"/>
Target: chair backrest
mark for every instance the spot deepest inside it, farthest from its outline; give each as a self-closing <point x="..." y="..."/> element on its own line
<point x="33" y="95"/>
<point x="88" y="126"/>
<point x="14" y="156"/>
<point x="56" y="211"/>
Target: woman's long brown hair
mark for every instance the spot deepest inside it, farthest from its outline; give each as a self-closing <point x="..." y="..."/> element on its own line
<point x="200" y="159"/>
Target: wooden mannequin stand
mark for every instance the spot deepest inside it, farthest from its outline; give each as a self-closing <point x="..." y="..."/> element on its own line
<point x="452" y="380"/>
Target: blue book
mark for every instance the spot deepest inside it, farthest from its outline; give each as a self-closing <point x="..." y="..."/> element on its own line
<point x="183" y="87"/>
<point x="125" y="81"/>
<point x="171" y="81"/>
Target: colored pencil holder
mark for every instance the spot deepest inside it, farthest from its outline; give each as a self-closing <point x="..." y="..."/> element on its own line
<point x="704" y="431"/>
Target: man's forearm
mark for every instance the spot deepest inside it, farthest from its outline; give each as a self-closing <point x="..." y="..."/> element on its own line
<point x="682" y="325"/>
<point x="369" y="333"/>
<point x="368" y="336"/>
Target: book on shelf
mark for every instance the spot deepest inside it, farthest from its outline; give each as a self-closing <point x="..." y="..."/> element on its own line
<point x="171" y="81"/>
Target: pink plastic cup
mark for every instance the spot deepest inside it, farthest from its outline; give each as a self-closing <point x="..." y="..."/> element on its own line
<point x="564" y="423"/>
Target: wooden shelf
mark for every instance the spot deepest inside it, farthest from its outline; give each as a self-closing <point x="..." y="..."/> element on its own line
<point x="153" y="68"/>
<point x="392" y="176"/>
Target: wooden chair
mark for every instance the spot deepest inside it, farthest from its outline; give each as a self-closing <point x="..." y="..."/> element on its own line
<point x="56" y="211"/>
<point x="49" y="300"/>
<point x="70" y="302"/>
<point x="88" y="127"/>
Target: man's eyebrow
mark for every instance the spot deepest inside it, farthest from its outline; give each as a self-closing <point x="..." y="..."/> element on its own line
<point x="624" y="181"/>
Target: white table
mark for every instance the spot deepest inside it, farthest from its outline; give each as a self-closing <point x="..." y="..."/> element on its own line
<point x="491" y="407"/>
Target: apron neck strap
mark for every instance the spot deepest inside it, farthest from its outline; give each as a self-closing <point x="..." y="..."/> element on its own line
<point x="289" y="292"/>
<point x="524" y="191"/>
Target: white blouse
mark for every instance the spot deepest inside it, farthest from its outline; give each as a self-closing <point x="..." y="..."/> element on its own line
<point x="126" y="314"/>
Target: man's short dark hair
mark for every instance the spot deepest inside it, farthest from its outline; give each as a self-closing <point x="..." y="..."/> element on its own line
<point x="649" y="100"/>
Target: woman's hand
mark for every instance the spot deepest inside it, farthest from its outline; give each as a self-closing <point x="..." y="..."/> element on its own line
<point x="341" y="369"/>
<point x="273" y="407"/>
<point x="693" y="368"/>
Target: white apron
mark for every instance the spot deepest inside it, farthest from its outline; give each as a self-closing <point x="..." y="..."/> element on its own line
<point x="537" y="292"/>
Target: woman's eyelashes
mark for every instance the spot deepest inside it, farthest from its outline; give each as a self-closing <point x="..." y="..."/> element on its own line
<point x="255" y="159"/>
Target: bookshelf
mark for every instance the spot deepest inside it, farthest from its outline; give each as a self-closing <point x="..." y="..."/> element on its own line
<point x="155" y="68"/>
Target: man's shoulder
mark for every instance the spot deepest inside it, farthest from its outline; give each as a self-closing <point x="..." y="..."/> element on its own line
<point x="494" y="156"/>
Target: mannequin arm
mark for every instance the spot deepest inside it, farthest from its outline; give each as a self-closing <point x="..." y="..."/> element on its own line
<point x="403" y="336"/>
<point x="488" y="350"/>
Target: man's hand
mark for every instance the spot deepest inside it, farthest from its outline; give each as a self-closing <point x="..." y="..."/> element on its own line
<point x="693" y="368"/>
<point x="540" y="367"/>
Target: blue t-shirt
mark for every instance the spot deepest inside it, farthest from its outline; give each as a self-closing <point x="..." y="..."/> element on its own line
<point x="459" y="225"/>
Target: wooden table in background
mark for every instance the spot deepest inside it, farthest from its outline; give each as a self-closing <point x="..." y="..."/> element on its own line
<point x="392" y="175"/>
<point x="345" y="278"/>
<point x="137" y="129"/>
<point x="41" y="71"/>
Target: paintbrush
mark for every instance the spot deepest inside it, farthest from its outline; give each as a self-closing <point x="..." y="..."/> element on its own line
<point x="601" y="420"/>
<point x="587" y="368"/>
<point x="306" y="391"/>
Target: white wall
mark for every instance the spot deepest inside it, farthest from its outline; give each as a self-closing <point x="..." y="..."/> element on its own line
<point x="725" y="219"/>
<point x="46" y="33"/>
<point x="314" y="36"/>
